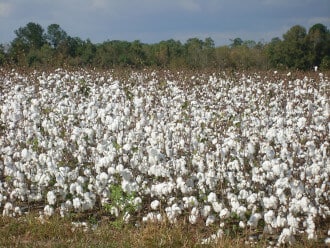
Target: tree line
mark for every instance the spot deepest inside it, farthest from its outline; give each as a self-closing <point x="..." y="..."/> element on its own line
<point x="298" y="49"/>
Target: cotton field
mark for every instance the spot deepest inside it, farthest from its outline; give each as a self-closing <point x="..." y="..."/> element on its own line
<point x="250" y="151"/>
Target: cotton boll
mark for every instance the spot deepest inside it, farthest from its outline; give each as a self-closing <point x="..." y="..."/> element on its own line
<point x="7" y="209"/>
<point x="192" y="219"/>
<point x="224" y="213"/>
<point x="243" y="194"/>
<point x="251" y="149"/>
<point x="254" y="220"/>
<point x="241" y="210"/>
<point x="301" y="122"/>
<point x="210" y="220"/>
<point x="17" y="210"/>
<point x="126" y="217"/>
<point x="217" y="207"/>
<point x="292" y="222"/>
<point x="241" y="224"/>
<point x="172" y="212"/>
<point x="48" y="210"/>
<point x="212" y="197"/>
<point x="327" y="241"/>
<point x="103" y="178"/>
<point x="76" y="202"/>
<point x="149" y="217"/>
<point x="51" y="197"/>
<point x="205" y="211"/>
<point x="190" y="201"/>
<point x="286" y="236"/>
<point x="251" y="199"/>
<point x="270" y="152"/>
<point x="310" y="228"/>
<point x="137" y="202"/>
<point x="154" y="204"/>
<point x="270" y="202"/>
<point x="114" y="211"/>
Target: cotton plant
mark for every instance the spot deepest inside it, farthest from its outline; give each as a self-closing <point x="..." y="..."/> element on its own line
<point x="215" y="148"/>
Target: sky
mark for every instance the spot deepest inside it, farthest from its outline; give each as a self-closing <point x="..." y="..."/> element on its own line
<point x="152" y="21"/>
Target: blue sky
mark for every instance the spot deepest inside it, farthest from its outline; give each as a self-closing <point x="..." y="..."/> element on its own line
<point x="151" y="21"/>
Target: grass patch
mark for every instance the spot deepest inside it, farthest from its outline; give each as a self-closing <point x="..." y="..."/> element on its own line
<point x="29" y="231"/>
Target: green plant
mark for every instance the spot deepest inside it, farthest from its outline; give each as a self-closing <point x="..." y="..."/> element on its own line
<point x="116" y="145"/>
<point x="84" y="88"/>
<point x="123" y="201"/>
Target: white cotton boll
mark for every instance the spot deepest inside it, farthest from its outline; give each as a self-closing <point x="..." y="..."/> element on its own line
<point x="63" y="210"/>
<point x="251" y="199"/>
<point x="269" y="216"/>
<point x="17" y="210"/>
<point x="25" y="154"/>
<point x="212" y="197"/>
<point x="243" y="194"/>
<point x="270" y="153"/>
<point x="127" y="147"/>
<point x="137" y="201"/>
<point x="210" y="220"/>
<point x="241" y="224"/>
<point x="51" y="197"/>
<point x="280" y="222"/>
<point x="159" y="217"/>
<point x="129" y="186"/>
<point x="286" y="236"/>
<point x="241" y="210"/>
<point x="301" y="123"/>
<point x="217" y="207"/>
<point x="190" y="201"/>
<point x="48" y="210"/>
<point x="79" y="189"/>
<point x="126" y="217"/>
<point x="89" y="201"/>
<point x="254" y="220"/>
<point x="292" y="222"/>
<point x="114" y="211"/>
<point x="7" y="209"/>
<point x="68" y="204"/>
<point x="205" y="211"/>
<point x="270" y="202"/>
<point x="104" y="178"/>
<point x="224" y="213"/>
<point x="310" y="228"/>
<point x="251" y="149"/>
<point x="149" y="217"/>
<point x="72" y="188"/>
<point x="192" y="219"/>
<point x="76" y="202"/>
<point x="154" y="204"/>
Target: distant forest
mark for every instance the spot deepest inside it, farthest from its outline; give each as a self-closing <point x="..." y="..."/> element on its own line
<point x="298" y="49"/>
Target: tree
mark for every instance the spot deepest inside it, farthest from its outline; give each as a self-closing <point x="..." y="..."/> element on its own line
<point x="209" y="52"/>
<point x="56" y="35"/>
<point x="274" y="53"/>
<point x="295" y="48"/>
<point x="87" y="52"/>
<point x="32" y="35"/>
<point x="318" y="43"/>
<point x="222" y="54"/>
<point x="236" y="42"/>
<point x="2" y="55"/>
<point x="194" y="50"/>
